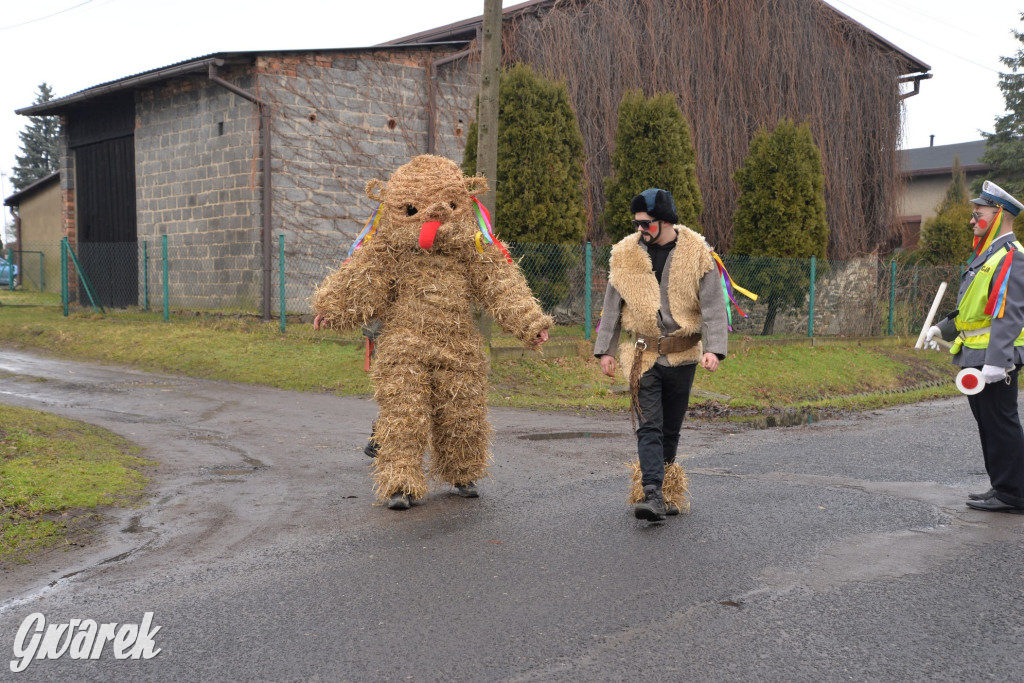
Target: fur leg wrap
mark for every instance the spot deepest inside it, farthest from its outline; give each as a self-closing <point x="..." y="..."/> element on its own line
<point x="675" y="488"/>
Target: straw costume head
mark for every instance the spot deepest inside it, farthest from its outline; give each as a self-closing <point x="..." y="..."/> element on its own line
<point x="425" y="257"/>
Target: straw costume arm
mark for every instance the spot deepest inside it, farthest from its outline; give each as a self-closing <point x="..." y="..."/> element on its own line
<point x="502" y="289"/>
<point x="359" y="291"/>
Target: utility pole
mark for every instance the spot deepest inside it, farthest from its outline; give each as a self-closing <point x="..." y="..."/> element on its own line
<point x="487" y="124"/>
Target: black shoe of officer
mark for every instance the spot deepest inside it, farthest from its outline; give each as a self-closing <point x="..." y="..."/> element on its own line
<point x="652" y="507"/>
<point x="982" y="496"/>
<point x="370" y="448"/>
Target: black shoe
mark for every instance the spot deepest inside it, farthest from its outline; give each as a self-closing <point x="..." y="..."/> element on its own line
<point x="993" y="504"/>
<point x="671" y="509"/>
<point x="653" y="506"/>
<point x="399" y="501"/>
<point x="467" y="490"/>
<point x="982" y="496"/>
<point x="370" y="448"/>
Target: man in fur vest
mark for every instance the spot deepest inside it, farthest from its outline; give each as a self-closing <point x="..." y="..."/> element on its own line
<point x="664" y="288"/>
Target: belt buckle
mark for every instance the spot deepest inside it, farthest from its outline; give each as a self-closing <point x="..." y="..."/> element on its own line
<point x="659" y="344"/>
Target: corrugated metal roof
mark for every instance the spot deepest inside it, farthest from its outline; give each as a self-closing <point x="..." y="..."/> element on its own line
<point x="938" y="160"/>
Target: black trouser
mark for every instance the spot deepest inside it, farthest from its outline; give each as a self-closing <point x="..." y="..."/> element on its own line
<point x="1002" y="439"/>
<point x="663" y="395"/>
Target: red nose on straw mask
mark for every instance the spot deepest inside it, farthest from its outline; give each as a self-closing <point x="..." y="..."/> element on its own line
<point x="427" y="234"/>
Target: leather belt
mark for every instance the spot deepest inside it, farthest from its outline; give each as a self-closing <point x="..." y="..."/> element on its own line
<point x="665" y="345"/>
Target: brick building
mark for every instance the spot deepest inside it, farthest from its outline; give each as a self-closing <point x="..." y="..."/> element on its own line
<point x="179" y="152"/>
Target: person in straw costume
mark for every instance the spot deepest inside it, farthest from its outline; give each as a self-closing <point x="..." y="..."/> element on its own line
<point x="424" y="259"/>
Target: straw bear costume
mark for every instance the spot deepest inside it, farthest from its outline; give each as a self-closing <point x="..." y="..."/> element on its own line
<point x="429" y="259"/>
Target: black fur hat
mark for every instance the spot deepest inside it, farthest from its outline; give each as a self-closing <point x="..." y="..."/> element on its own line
<point x="658" y="204"/>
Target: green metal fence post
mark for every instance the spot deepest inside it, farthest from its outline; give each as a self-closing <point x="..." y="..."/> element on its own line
<point x="892" y="295"/>
<point x="10" y="273"/>
<point x="810" y="314"/>
<point x="145" y="276"/>
<point x="64" y="274"/>
<point x="280" y="266"/>
<point x="167" y="305"/>
<point x="42" y="274"/>
<point x="588" y="285"/>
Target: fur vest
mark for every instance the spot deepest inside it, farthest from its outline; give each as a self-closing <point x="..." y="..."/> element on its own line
<point x="631" y="273"/>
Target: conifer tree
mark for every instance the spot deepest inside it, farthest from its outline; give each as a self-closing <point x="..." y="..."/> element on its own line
<point x="539" y="193"/>
<point x="780" y="214"/>
<point x="40" y="146"/>
<point x="1004" y="149"/>
<point x="946" y="237"/>
<point x="652" y="149"/>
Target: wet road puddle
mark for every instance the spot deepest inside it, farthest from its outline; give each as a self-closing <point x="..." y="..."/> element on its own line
<point x="787" y="419"/>
<point x="569" y="435"/>
<point x="232" y="470"/>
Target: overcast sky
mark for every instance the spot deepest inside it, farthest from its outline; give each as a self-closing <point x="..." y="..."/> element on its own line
<point x="76" y="44"/>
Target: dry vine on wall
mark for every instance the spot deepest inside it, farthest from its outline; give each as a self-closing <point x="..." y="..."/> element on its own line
<point x="735" y="66"/>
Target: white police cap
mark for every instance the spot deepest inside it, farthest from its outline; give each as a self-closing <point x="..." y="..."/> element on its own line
<point x="993" y="195"/>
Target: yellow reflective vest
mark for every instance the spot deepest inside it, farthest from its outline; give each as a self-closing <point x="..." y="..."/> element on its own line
<point x="971" y="314"/>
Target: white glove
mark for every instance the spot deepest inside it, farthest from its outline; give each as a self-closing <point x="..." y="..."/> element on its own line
<point x="991" y="373"/>
<point x="929" y="339"/>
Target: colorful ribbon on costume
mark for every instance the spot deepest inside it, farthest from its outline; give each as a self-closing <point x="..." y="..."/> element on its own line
<point x="367" y="233"/>
<point x="729" y="286"/>
<point x="486" y="234"/>
<point x="985" y="241"/>
<point x="997" y="298"/>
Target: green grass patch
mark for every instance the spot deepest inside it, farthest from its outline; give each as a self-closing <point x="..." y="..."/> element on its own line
<point x="760" y="375"/>
<point x="840" y="375"/>
<point x="224" y="347"/>
<point x="52" y="470"/>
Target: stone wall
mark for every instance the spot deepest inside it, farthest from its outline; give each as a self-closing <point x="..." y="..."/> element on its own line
<point x="198" y="166"/>
<point x="340" y="120"/>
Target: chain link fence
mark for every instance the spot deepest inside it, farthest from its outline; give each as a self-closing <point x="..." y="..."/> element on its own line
<point x="868" y="296"/>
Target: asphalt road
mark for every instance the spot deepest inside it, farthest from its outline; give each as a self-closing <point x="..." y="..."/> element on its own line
<point x="834" y="551"/>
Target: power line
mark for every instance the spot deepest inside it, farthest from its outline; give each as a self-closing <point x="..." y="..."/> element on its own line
<point x="32" y="21"/>
<point x="925" y="42"/>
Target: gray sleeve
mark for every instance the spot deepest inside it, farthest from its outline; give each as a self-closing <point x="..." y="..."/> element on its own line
<point x="947" y="328"/>
<point x="714" y="316"/>
<point x="1006" y="329"/>
<point x="607" y="342"/>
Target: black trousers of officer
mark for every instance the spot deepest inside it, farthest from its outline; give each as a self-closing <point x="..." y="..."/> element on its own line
<point x="663" y="396"/>
<point x="1002" y="439"/>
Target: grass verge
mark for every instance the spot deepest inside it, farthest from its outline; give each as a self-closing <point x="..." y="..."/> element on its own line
<point x="54" y="473"/>
<point x="757" y="377"/>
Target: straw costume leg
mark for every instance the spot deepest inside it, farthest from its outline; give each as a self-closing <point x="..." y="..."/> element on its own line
<point x="402" y="430"/>
<point x="461" y="434"/>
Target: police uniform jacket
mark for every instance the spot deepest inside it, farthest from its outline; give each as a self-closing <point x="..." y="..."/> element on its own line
<point x="1001" y="351"/>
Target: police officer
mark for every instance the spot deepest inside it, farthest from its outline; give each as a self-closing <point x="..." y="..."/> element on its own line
<point x="987" y="331"/>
